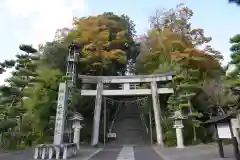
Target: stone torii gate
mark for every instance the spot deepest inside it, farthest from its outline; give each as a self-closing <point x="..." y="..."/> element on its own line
<point x="126" y="90"/>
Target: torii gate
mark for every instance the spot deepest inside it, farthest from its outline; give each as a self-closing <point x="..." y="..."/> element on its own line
<point x="100" y="91"/>
<point x="126" y="91"/>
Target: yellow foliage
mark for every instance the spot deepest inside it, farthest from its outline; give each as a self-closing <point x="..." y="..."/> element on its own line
<point x="103" y="39"/>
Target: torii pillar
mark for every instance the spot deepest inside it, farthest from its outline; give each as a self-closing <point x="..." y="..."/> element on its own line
<point x="156" y="109"/>
<point x="97" y="114"/>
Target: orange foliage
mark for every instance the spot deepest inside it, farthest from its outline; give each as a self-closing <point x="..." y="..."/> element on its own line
<point x="197" y="59"/>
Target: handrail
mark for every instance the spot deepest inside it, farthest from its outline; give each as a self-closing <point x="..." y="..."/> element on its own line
<point x="114" y="119"/>
<point x="143" y="119"/>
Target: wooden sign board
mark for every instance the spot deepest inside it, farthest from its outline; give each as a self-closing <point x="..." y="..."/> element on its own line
<point x="224" y="131"/>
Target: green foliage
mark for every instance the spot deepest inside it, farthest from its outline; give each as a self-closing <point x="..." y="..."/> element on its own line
<point x="169" y="133"/>
<point x="235" y="48"/>
<point x="231" y="81"/>
<point x="13" y="94"/>
<point x="41" y="104"/>
<point x="5" y="65"/>
<point x="234" y="1"/>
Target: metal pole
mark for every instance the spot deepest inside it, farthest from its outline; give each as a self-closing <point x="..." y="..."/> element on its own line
<point x="105" y="117"/>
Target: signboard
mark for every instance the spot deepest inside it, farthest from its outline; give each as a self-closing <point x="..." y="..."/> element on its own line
<point x="60" y="114"/>
<point x="111" y="135"/>
<point x="223" y="130"/>
<point x="235" y="123"/>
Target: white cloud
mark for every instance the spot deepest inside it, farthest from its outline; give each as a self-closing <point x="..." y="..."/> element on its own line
<point x="45" y="16"/>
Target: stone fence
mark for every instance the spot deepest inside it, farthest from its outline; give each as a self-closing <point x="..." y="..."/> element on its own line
<point x="49" y="151"/>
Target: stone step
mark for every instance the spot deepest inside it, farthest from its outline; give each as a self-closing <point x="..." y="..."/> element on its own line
<point x="128" y="128"/>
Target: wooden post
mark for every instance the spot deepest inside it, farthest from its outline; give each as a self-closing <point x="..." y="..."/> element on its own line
<point x="97" y="114"/>
<point x="219" y="142"/>
<point x="156" y="109"/>
<point x="105" y="118"/>
<point x="234" y="142"/>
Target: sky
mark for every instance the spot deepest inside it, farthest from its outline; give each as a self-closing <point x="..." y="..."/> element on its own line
<point x="35" y="21"/>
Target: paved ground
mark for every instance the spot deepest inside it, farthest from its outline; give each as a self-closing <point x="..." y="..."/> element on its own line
<point x="106" y="153"/>
<point x="200" y="152"/>
<point x="19" y="155"/>
<point x="127" y="153"/>
<point x="146" y="153"/>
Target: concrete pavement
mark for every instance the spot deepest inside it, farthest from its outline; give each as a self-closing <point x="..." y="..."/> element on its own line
<point x="199" y="152"/>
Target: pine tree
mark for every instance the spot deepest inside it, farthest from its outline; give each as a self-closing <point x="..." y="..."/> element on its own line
<point x="24" y="73"/>
<point x="186" y="85"/>
<point x="232" y="79"/>
<point x="235" y="1"/>
<point x="5" y="65"/>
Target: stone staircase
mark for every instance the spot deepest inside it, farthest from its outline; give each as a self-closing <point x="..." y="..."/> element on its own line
<point x="128" y="127"/>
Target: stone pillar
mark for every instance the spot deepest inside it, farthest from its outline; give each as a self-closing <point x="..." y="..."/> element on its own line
<point x="179" y="136"/>
<point x="156" y="109"/>
<point x="76" y="136"/>
<point x="97" y="114"/>
<point x="235" y="127"/>
<point x="60" y="115"/>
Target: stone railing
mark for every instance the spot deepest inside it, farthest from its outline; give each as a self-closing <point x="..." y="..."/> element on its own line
<point x="51" y="151"/>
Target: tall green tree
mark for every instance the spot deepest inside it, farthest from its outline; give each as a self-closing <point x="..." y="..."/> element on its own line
<point x="232" y="78"/>
<point x="22" y="76"/>
<point x="41" y="103"/>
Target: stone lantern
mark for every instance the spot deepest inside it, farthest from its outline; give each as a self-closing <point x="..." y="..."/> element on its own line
<point x="178" y="125"/>
<point x="76" y="125"/>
